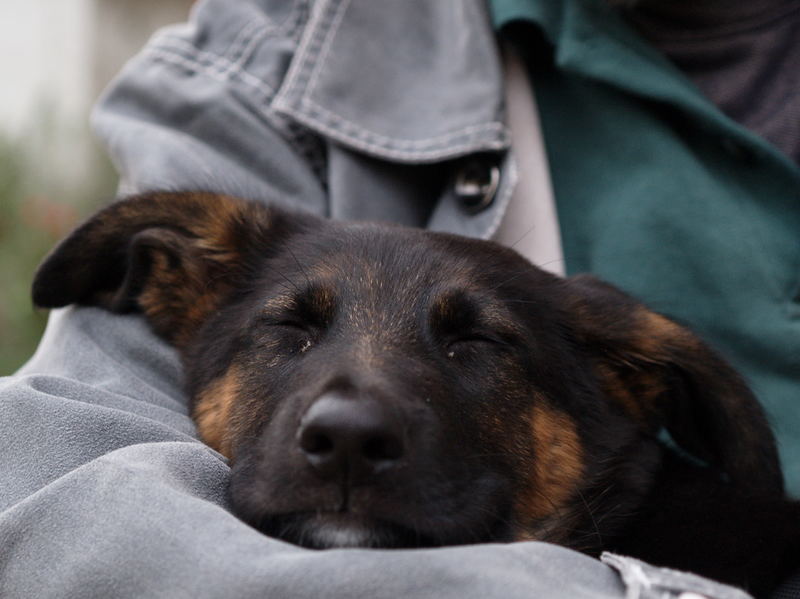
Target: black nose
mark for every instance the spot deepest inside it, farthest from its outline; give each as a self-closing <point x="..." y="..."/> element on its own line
<point x="350" y="438"/>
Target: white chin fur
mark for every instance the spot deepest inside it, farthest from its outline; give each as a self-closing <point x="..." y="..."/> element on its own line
<point x="340" y="534"/>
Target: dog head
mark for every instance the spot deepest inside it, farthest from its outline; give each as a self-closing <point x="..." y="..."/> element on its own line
<point x="383" y="386"/>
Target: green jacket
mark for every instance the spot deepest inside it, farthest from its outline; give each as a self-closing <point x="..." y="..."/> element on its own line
<point x="662" y="194"/>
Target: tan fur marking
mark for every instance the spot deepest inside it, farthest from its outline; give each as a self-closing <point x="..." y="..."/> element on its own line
<point x="618" y="390"/>
<point x="212" y="411"/>
<point x="557" y="466"/>
<point x="637" y="390"/>
<point x="635" y="377"/>
<point x="178" y="297"/>
<point x="655" y="335"/>
<point x="183" y="298"/>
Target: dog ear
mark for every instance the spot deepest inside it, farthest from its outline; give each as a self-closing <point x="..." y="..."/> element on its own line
<point x="174" y="256"/>
<point x="663" y="375"/>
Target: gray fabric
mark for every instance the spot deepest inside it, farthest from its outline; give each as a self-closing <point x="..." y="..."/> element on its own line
<point x="645" y="581"/>
<point x="104" y="489"/>
<point x="743" y="56"/>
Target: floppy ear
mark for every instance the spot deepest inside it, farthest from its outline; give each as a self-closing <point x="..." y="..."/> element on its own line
<point x="174" y="256"/>
<point x="663" y="375"/>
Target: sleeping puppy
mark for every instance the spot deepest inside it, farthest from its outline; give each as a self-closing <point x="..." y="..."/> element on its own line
<point x="379" y="386"/>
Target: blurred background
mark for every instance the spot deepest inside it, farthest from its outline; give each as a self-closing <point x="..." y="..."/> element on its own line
<point x="56" y="56"/>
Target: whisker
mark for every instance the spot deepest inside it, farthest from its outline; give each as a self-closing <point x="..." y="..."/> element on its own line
<point x="299" y="265"/>
<point x="591" y="517"/>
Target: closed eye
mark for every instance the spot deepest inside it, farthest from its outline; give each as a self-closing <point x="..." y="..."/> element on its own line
<point x="288" y="328"/>
<point x="475" y="338"/>
<point x="298" y="335"/>
<point x="292" y="324"/>
<point x="286" y="320"/>
<point x="474" y="344"/>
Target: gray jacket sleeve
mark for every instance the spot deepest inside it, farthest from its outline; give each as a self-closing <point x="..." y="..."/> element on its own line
<point x="193" y="109"/>
<point x="105" y="490"/>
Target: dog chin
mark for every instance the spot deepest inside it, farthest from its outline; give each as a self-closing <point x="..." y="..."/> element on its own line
<point x="335" y="530"/>
<point x="329" y="535"/>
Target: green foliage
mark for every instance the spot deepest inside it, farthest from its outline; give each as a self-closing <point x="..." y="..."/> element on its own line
<point x="34" y="215"/>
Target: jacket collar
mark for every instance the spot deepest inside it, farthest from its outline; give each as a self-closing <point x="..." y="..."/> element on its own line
<point x="413" y="81"/>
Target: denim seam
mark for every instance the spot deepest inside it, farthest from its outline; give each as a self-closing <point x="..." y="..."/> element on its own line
<point x="242" y="38"/>
<point x="185" y="49"/>
<point x="336" y="22"/>
<point x="243" y="46"/>
<point x="295" y="31"/>
<point x="247" y="33"/>
<point x="505" y="197"/>
<point x="221" y="68"/>
<point x="253" y="34"/>
<point x="431" y="153"/>
<point x="307" y="42"/>
<point x="175" y="56"/>
<point x="254" y="18"/>
<point x="300" y="141"/>
<point x="286" y="27"/>
<point x="188" y="50"/>
<point x="317" y="43"/>
<point x="400" y="144"/>
<point x="226" y="60"/>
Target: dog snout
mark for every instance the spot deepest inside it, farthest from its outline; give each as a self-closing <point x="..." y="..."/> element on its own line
<point x="351" y="439"/>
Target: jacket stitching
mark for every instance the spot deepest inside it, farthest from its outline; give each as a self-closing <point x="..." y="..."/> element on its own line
<point x="245" y="34"/>
<point x="253" y="34"/>
<point x="318" y="42"/>
<point x="175" y="57"/>
<point x="223" y="66"/>
<point x="290" y="24"/>
<point x="304" y="144"/>
<point x="307" y="41"/>
<point x="170" y="55"/>
<point x="336" y="23"/>
<point x="242" y="47"/>
<point x="411" y="144"/>
<point x="286" y="27"/>
<point x="255" y="18"/>
<point x="505" y="197"/>
<point x="185" y="48"/>
<point x="396" y="153"/>
<point x="295" y="31"/>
